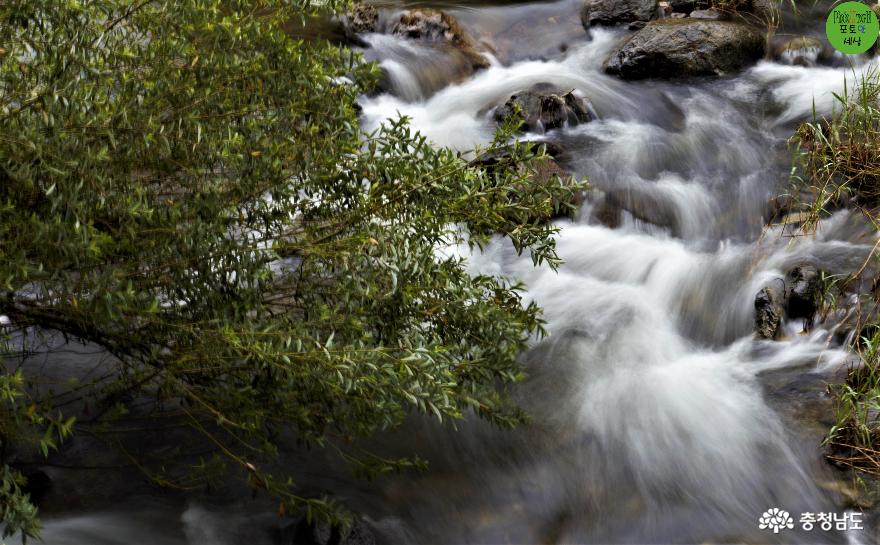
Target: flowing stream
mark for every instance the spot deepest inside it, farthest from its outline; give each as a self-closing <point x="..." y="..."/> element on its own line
<point x="657" y="417"/>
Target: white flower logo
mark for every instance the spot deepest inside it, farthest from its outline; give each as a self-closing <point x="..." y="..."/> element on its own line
<point x="775" y="519"/>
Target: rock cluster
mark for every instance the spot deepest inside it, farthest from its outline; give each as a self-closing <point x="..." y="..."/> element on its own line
<point x="542" y="109"/>
<point x="794" y="297"/>
<point x="682" y="38"/>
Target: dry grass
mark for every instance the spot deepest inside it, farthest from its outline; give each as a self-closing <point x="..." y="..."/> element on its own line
<point x="864" y="459"/>
<point x="838" y="164"/>
<point x="840" y="156"/>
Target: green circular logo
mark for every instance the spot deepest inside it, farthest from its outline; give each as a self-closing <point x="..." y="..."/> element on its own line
<point x="852" y="27"/>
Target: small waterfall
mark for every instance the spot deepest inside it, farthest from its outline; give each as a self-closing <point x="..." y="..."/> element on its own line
<point x="652" y="417"/>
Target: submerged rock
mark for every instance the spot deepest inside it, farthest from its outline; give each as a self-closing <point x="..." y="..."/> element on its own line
<point x="615" y="12"/>
<point x="769" y="309"/>
<point x="647" y="206"/>
<point x="438" y="27"/>
<point x="544" y="109"/>
<point x="687" y="47"/>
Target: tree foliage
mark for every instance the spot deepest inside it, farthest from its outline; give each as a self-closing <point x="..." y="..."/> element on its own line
<point x="186" y="185"/>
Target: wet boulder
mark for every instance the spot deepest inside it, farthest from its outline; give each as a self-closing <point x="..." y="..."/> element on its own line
<point x="802" y="291"/>
<point x="543" y="109"/>
<point x="438" y="27"/>
<point x="794" y="297"/>
<point x="306" y="533"/>
<point x="615" y="12"/>
<point x="672" y="48"/>
<point x="769" y="310"/>
<point x="362" y="18"/>
<point x="551" y="148"/>
<point x="647" y="206"/>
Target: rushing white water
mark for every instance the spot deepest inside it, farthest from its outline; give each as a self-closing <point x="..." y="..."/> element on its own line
<point x="804" y="90"/>
<point x="652" y="423"/>
<point x="653" y="405"/>
<point x="454" y="116"/>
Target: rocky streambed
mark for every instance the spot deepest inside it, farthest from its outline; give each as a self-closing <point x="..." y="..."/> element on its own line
<point x="682" y="390"/>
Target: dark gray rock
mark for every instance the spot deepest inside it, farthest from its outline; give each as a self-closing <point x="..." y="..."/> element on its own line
<point x="615" y="12"/>
<point x="306" y="533"/>
<point x="682" y="6"/>
<point x="544" y="109"/>
<point x="647" y="206"/>
<point x="802" y="291"/>
<point x="37" y="486"/>
<point x="687" y="47"/>
<point x="551" y="148"/>
<point x="769" y="309"/>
